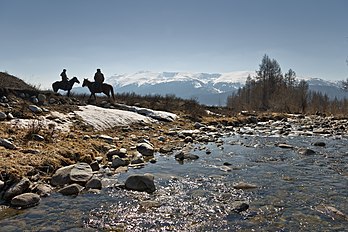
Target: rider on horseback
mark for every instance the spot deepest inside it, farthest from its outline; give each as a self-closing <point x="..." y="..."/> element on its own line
<point x="65" y="78"/>
<point x="99" y="79"/>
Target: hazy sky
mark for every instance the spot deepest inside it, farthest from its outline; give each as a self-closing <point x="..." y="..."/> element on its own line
<point x="38" y="38"/>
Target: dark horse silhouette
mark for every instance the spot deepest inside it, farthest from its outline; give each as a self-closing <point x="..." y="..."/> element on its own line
<point x="105" y="88"/>
<point x="67" y="86"/>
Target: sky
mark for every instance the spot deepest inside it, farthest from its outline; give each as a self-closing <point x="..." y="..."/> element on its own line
<point x="38" y="38"/>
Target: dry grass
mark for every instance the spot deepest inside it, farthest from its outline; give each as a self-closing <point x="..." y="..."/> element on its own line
<point x="69" y="148"/>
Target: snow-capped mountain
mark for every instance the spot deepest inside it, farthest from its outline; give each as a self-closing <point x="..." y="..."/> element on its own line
<point x="152" y="78"/>
<point x="207" y="88"/>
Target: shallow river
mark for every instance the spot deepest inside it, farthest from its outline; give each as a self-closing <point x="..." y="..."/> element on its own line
<point x="293" y="192"/>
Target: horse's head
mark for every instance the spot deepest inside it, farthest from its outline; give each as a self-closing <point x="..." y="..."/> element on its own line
<point x="85" y="82"/>
<point x="74" y="79"/>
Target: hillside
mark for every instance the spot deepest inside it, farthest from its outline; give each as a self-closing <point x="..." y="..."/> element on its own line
<point x="10" y="82"/>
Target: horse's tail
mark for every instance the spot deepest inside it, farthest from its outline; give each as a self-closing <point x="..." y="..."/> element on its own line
<point x="55" y="87"/>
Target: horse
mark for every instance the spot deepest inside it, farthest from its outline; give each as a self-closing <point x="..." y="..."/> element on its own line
<point x="67" y="86"/>
<point x="105" y="88"/>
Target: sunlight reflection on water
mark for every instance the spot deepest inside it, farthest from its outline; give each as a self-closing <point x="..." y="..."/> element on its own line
<point x="292" y="192"/>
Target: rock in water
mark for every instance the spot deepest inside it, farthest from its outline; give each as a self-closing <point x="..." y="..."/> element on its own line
<point x="76" y="173"/>
<point x="118" y="162"/>
<point x="331" y="212"/>
<point x="241" y="207"/>
<point x="25" y="200"/>
<point x="286" y="146"/>
<point x="243" y="185"/>
<point x="320" y="144"/>
<point x="142" y="183"/>
<point x="185" y="155"/>
<point x="17" y="189"/>
<point x="94" y="183"/>
<point x="81" y="173"/>
<point x="306" y="151"/>
<point x="44" y="190"/>
<point x="73" y="189"/>
<point x="62" y="176"/>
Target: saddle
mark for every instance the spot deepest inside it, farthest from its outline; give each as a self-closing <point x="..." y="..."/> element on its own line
<point x="65" y="84"/>
<point x="98" y="87"/>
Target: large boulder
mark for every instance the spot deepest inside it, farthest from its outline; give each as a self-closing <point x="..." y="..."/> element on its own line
<point x="16" y="189"/>
<point x="25" y="200"/>
<point x="142" y="183"/>
<point x="76" y="173"/>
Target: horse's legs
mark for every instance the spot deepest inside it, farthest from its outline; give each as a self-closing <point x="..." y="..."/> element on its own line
<point x="68" y="93"/>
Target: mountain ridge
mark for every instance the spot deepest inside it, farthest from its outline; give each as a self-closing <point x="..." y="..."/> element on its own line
<point x="206" y="88"/>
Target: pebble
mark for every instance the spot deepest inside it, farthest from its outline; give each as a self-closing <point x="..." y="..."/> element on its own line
<point x="243" y="185"/>
<point x="306" y="151"/>
<point x="7" y="144"/>
<point x="286" y="146"/>
<point x="35" y="109"/>
<point x="145" y="149"/>
<point x="106" y="138"/>
<point x="3" y="116"/>
<point x="319" y="144"/>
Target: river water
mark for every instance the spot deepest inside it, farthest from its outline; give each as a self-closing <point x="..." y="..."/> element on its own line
<point x="293" y="192"/>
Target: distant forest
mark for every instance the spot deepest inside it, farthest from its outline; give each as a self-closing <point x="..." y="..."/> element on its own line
<point x="270" y="90"/>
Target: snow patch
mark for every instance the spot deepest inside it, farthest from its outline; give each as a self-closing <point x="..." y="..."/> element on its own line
<point x="101" y="118"/>
<point x="54" y="121"/>
<point x="97" y="117"/>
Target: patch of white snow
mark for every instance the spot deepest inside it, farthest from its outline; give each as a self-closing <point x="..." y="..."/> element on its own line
<point x="101" y="118"/>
